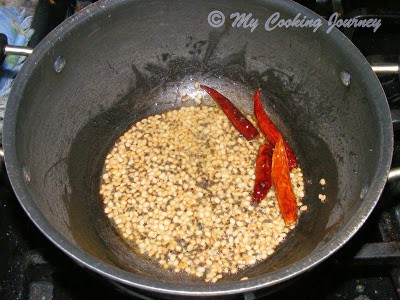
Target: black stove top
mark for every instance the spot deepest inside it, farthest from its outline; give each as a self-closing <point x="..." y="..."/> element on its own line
<point x="368" y="267"/>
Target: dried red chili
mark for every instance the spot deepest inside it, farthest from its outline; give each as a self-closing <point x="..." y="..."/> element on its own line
<point x="238" y="120"/>
<point x="269" y="130"/>
<point x="283" y="186"/>
<point x="263" y="180"/>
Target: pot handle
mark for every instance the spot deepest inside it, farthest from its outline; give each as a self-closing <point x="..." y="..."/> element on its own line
<point x="6" y="49"/>
<point x="394" y="174"/>
<point x="385" y="68"/>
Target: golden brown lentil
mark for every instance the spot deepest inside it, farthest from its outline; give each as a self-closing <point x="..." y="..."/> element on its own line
<point x="322" y="197"/>
<point x="178" y="187"/>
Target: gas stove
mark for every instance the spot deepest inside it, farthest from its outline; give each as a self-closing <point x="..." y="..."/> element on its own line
<point x="368" y="267"/>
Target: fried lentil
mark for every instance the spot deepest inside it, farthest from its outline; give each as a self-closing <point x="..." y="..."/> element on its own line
<point x="178" y="188"/>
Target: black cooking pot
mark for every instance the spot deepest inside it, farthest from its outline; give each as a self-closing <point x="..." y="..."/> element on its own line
<point x="118" y="61"/>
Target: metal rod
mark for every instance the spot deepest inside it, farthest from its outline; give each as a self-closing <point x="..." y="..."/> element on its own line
<point x="394" y="174"/>
<point x="1" y="153"/>
<point x="17" y="50"/>
<point x="381" y="69"/>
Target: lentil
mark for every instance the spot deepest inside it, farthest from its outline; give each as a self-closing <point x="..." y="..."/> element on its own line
<point x="322" y="197"/>
<point x="177" y="187"/>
